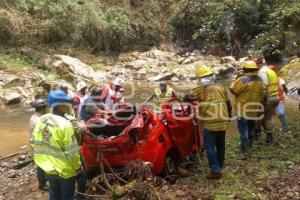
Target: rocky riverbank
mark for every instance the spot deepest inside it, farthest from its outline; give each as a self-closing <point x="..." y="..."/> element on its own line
<point x="52" y="68"/>
<point x="20" y="86"/>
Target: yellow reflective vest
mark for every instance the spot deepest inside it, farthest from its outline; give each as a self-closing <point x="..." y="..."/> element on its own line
<point x="213" y="112"/>
<point x="55" y="147"/>
<point x="273" y="86"/>
<point x="161" y="97"/>
<point x="248" y="91"/>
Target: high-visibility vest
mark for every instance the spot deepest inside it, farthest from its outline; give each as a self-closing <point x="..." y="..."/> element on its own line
<point x="272" y="83"/>
<point x="163" y="96"/>
<point x="55" y="147"/>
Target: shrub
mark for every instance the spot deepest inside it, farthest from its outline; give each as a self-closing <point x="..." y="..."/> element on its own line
<point x="14" y="25"/>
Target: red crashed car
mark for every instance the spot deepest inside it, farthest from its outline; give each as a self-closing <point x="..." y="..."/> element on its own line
<point x="163" y="138"/>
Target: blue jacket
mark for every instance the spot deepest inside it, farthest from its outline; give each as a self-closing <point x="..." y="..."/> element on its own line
<point x="89" y="108"/>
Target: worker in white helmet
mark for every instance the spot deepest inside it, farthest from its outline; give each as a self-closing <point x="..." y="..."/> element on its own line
<point x="114" y="93"/>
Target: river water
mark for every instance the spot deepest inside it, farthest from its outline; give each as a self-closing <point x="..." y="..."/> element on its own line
<point x="13" y="129"/>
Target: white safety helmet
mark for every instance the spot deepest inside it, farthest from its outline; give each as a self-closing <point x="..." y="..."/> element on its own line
<point x="81" y="85"/>
<point x="118" y="81"/>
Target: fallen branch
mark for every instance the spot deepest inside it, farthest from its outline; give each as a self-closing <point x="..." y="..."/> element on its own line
<point x="155" y="191"/>
<point x="103" y="175"/>
<point x="9" y="156"/>
<point x="113" y="172"/>
<point x="91" y="195"/>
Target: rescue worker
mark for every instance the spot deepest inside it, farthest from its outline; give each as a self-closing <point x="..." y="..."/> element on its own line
<point x="114" y="93"/>
<point x="214" y="114"/>
<point x="40" y="106"/>
<point x="270" y="100"/>
<point x="56" y="150"/>
<point x="60" y="93"/>
<point x="163" y="93"/>
<point x="94" y="104"/>
<point x="79" y="97"/>
<point x="281" y="106"/>
<point x="248" y="92"/>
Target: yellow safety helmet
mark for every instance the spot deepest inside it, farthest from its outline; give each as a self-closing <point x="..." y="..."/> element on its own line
<point x="249" y="65"/>
<point x="204" y="71"/>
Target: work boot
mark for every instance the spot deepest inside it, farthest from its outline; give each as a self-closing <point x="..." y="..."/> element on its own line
<point x="212" y="176"/>
<point x="269" y="138"/>
<point x="244" y="149"/>
<point x="44" y="188"/>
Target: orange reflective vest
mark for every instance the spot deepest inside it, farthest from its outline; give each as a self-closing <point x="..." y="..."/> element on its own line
<point x="281" y="94"/>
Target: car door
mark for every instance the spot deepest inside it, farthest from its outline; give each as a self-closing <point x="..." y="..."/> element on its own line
<point x="181" y="127"/>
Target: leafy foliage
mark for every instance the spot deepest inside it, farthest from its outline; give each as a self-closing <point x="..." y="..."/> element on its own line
<point x="108" y="25"/>
<point x="257" y="26"/>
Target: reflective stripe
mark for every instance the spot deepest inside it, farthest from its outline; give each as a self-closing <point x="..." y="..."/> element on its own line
<point x="42" y="143"/>
<point x="72" y="153"/>
<point x="60" y="155"/>
<point x="48" y="153"/>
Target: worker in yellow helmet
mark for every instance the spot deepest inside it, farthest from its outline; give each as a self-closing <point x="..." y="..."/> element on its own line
<point x="164" y="93"/>
<point x="271" y="99"/>
<point x="214" y="111"/>
<point x="248" y="92"/>
<point x="56" y="150"/>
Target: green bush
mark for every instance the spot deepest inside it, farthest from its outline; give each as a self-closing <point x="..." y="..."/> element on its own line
<point x="111" y="25"/>
<point x="14" y="25"/>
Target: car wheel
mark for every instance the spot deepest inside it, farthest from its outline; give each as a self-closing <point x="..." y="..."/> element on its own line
<point x="171" y="164"/>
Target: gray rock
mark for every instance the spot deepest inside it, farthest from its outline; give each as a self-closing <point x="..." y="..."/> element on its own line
<point x="9" y="80"/>
<point x="22" y="157"/>
<point x="175" y="79"/>
<point x="4" y="164"/>
<point x="227" y="59"/>
<point x="293" y="88"/>
<point x="180" y="193"/>
<point x="161" y="77"/>
<point x="71" y="68"/>
<point x="137" y="64"/>
<point x="165" y="188"/>
<point x="11" y="97"/>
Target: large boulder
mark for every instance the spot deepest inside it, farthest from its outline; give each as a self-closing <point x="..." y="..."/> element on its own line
<point x="9" y="80"/>
<point x="291" y="71"/>
<point x="70" y="68"/>
<point x="11" y="97"/>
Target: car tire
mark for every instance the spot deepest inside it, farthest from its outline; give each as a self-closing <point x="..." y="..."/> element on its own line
<point x="171" y="164"/>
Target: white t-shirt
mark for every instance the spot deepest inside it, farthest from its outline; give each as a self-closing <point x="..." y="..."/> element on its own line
<point x="263" y="74"/>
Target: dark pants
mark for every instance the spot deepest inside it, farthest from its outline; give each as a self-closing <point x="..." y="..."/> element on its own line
<point x="247" y="131"/>
<point x="61" y="189"/>
<point x="214" y="143"/>
<point x="81" y="185"/>
<point x="41" y="176"/>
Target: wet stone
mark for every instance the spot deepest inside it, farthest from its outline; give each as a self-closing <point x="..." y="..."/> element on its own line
<point x="180" y="193"/>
